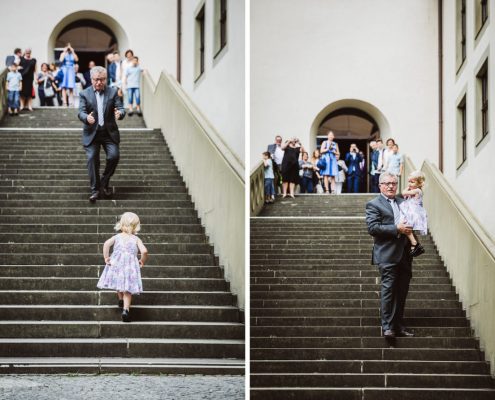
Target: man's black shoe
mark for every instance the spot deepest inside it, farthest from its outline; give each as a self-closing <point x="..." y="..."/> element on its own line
<point x="107" y="191"/>
<point x="405" y="333"/>
<point x="94" y="196"/>
<point x="388" y="333"/>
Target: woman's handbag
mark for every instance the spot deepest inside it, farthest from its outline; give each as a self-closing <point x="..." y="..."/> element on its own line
<point x="49" y="92"/>
<point x="321" y="164"/>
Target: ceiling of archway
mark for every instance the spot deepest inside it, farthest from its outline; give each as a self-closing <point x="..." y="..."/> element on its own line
<point x="348" y="126"/>
<point x="87" y="38"/>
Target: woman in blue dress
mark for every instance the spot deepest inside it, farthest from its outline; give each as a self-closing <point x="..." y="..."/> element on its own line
<point x="68" y="58"/>
<point x="329" y="150"/>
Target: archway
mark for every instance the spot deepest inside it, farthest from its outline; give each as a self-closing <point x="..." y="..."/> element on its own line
<point x="92" y="34"/>
<point x="352" y="121"/>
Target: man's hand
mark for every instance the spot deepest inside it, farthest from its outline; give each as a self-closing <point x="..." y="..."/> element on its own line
<point x="91" y="119"/>
<point x="116" y="113"/>
<point x="404" y="229"/>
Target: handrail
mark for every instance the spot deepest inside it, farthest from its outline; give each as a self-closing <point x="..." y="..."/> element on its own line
<point x="222" y="147"/>
<point x="257" y="189"/>
<point x="3" y="94"/>
<point x="468" y="252"/>
<point x="212" y="172"/>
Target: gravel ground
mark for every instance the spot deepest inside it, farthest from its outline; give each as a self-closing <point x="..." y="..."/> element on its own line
<point x="125" y="387"/>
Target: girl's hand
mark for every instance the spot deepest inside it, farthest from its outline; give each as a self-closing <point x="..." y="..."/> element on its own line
<point x="107" y="260"/>
<point x="141" y="264"/>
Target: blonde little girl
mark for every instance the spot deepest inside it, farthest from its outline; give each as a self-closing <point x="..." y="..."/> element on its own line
<point x="412" y="211"/>
<point x="122" y="268"/>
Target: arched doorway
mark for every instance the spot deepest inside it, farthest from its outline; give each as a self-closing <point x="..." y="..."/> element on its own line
<point x="91" y="39"/>
<point x="92" y="34"/>
<point x="351" y="121"/>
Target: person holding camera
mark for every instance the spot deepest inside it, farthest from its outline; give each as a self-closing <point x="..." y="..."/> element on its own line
<point x="353" y="158"/>
<point x="329" y="150"/>
<point x="290" y="165"/>
<point x="68" y="58"/>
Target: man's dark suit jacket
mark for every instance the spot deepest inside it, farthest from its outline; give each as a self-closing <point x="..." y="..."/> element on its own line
<point x="353" y="164"/>
<point x="9" y="60"/>
<point x="87" y="104"/>
<point x="389" y="245"/>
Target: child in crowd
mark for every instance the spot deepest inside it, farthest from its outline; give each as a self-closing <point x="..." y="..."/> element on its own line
<point x="394" y="162"/>
<point x="269" y="178"/>
<point x="307" y="170"/>
<point x="122" y="268"/>
<point x="14" y="87"/>
<point x="132" y="81"/>
<point x="412" y="211"/>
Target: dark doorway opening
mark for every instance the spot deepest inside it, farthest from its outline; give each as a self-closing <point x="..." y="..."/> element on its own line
<point x="91" y="40"/>
<point x="351" y="125"/>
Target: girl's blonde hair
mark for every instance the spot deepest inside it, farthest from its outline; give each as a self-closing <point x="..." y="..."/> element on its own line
<point x="129" y="223"/>
<point x="419" y="177"/>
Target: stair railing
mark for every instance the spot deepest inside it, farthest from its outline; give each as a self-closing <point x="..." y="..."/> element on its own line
<point x="212" y="172"/>
<point x="468" y="252"/>
<point x="3" y="93"/>
<point x="257" y="189"/>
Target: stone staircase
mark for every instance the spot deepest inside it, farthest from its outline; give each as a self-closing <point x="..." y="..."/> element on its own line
<point x="52" y="317"/>
<point x="315" y="317"/>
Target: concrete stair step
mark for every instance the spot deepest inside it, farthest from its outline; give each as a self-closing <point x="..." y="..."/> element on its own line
<point x="87" y="365"/>
<point x="373" y="380"/>
<point x="306" y="295"/>
<point x="352" y="331"/>
<point x="369" y="366"/>
<point x="94" y="228"/>
<point x="84" y="271"/>
<point x="116" y="329"/>
<point x="71" y="220"/>
<point x="411" y="322"/>
<point x="349" y="280"/>
<point x="353" y="312"/>
<point x="112" y="313"/>
<point x="321" y="273"/>
<point x="122" y="347"/>
<point x="364" y="342"/>
<point x="97" y="297"/>
<point x="365" y="393"/>
<point x="345" y="287"/>
<point x="56" y="283"/>
<point x="290" y="304"/>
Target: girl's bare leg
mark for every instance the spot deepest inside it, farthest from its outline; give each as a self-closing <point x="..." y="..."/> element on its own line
<point x="127" y="300"/>
<point x="325" y="182"/>
<point x="332" y="183"/>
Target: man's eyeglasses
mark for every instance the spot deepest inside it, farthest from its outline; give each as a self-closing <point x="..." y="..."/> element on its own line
<point x="389" y="183"/>
<point x="99" y="79"/>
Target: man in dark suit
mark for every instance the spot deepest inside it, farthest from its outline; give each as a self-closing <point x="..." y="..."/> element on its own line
<point x="14" y="59"/>
<point x="352" y="159"/>
<point x="99" y="108"/>
<point x="391" y="254"/>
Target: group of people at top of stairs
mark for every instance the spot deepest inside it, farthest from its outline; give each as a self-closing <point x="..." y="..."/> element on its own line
<point x="287" y="164"/>
<point x="60" y="82"/>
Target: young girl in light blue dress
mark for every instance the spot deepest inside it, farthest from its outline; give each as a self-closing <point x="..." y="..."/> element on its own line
<point x="413" y="212"/>
<point x="122" y="269"/>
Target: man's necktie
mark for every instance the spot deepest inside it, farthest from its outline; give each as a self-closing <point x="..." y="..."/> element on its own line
<point x="395" y="208"/>
<point x="99" y="102"/>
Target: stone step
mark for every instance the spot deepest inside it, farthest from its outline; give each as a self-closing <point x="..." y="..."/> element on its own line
<point x="322" y="273"/>
<point x="115" y="329"/>
<point x="364" y="342"/>
<point x="124" y="347"/>
<point x="58" y="283"/>
<point x="373" y="380"/>
<point x="97" y="220"/>
<point x="420" y="287"/>
<point x="95" y="228"/>
<point x="360" y="353"/>
<point x="369" y="366"/>
<point x="352" y="312"/>
<point x="178" y="211"/>
<point x="306" y="295"/>
<point x="88" y="248"/>
<point x="96" y="270"/>
<point x="365" y="393"/>
<point x="74" y="192"/>
<point x="115" y="365"/>
<point x="320" y="280"/>
<point x="96" y="259"/>
<point x="411" y="322"/>
<point x="97" y="297"/>
<point x="352" y="331"/>
<point x="292" y="304"/>
<point x="112" y="313"/>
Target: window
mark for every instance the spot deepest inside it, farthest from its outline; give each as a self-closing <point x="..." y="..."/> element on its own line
<point x="461" y="133"/>
<point x="220" y="25"/>
<point x="481" y="14"/>
<point x="482" y="103"/>
<point x="200" y="43"/>
<point x="461" y="32"/>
